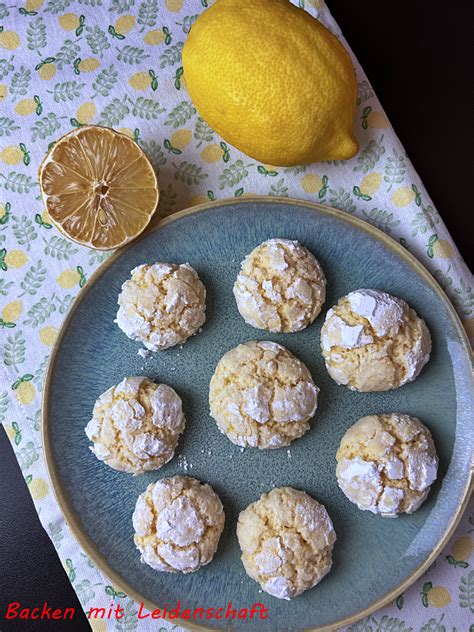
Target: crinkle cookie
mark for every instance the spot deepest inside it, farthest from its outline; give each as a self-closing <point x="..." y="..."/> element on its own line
<point x="372" y="341"/>
<point x="178" y="522"/>
<point x="262" y="396"/>
<point x="281" y="286"/>
<point x="162" y="305"/>
<point x="136" y="425"/>
<point x="286" y="539"/>
<point x="386" y="464"/>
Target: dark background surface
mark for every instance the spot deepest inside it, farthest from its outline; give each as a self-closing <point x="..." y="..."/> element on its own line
<point x="417" y="58"/>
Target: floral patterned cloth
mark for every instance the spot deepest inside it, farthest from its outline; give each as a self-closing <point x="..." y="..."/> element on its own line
<point x="64" y="63"/>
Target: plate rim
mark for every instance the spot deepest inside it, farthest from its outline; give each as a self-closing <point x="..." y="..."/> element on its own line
<point x="72" y="518"/>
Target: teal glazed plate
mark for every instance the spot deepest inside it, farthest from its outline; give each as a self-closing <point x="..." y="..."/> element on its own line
<point x="374" y="558"/>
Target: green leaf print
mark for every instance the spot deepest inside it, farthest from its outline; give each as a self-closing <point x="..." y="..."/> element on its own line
<point x="466" y="592"/>
<point x="66" y="91"/>
<point x="84" y="591"/>
<point x="24" y="230"/>
<point x="131" y="54"/>
<point x="56" y="6"/>
<point x="105" y="81"/>
<point x="5" y="287"/>
<point x="361" y="626"/>
<point x="395" y="168"/>
<point x="114" y="113"/>
<point x="342" y="200"/>
<point x="167" y="201"/>
<point x="129" y="621"/>
<point x="399" y="601"/>
<point x="463" y="299"/>
<point x="6" y="67"/>
<point x="40" y="311"/>
<point x="364" y="92"/>
<point x="202" y="131"/>
<point x="59" y="248"/>
<point x="147" y="108"/>
<point x="17" y="182"/>
<point x="3" y="405"/>
<point x="171" y="55"/>
<point x="180" y="114"/>
<point x="91" y="3"/>
<point x="27" y="456"/>
<point x="67" y="53"/>
<point x="64" y="303"/>
<point x="296" y="170"/>
<point x="434" y="625"/>
<point x="147" y="14"/>
<point x="18" y="436"/>
<point x="189" y="173"/>
<point x="233" y="174"/>
<point x="98" y="256"/>
<point x="390" y="624"/>
<point x="424" y="221"/>
<point x="70" y="570"/>
<point x="33" y="279"/>
<point x="36" y="34"/>
<point x="39" y="375"/>
<point x="55" y="532"/>
<point x="155" y="154"/>
<point x="7" y="126"/>
<point x="369" y="156"/>
<point x="460" y="563"/>
<point x="279" y="189"/>
<point x="120" y="6"/>
<point x="20" y="82"/>
<point x="46" y="126"/>
<point x="4" y="12"/>
<point x="14" y="350"/>
<point x="97" y="40"/>
<point x="381" y="219"/>
<point x="187" y="23"/>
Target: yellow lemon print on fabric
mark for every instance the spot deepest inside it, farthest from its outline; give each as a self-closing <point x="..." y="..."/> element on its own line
<point x="68" y="279"/>
<point x="25" y="393"/>
<point x="11" y="434"/>
<point x="140" y="81"/>
<point x="33" y="5"/>
<point x="311" y="183"/>
<point x="48" y="335"/>
<point x="153" y="38"/>
<point x="442" y="249"/>
<point x="47" y="72"/>
<point x="403" y="196"/>
<point x="174" y="5"/>
<point x="12" y="311"/>
<point x="98" y="625"/>
<point x="38" y="488"/>
<point x="45" y="216"/>
<point x="127" y="131"/>
<point x="69" y="21"/>
<point x="89" y="64"/>
<point x="9" y="40"/>
<point x="377" y="120"/>
<point x="317" y="4"/>
<point x="86" y="112"/>
<point x="15" y="258"/>
<point x="211" y="153"/>
<point x="462" y="548"/>
<point x="181" y="138"/>
<point x="198" y="199"/>
<point x="125" y="23"/>
<point x="11" y="155"/>
<point x="3" y="91"/>
<point x="370" y="183"/>
<point x="439" y="597"/>
<point x="25" y="107"/>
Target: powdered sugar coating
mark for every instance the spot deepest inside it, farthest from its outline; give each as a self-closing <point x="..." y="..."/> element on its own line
<point x="286" y="539"/>
<point x="387" y="463"/>
<point x="262" y="396"/>
<point x="136" y="425"/>
<point x="178" y="522"/>
<point x="281" y="286"/>
<point x="161" y="305"/>
<point x="372" y="341"/>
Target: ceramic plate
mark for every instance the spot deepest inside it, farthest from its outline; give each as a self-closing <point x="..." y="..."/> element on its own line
<point x="374" y="558"/>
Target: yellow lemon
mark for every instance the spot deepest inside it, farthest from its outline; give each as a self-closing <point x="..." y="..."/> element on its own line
<point x="127" y="131"/>
<point x="98" y="625"/>
<point x="89" y="64"/>
<point x="69" y="21"/>
<point x="442" y="249"/>
<point x="317" y="4"/>
<point x="3" y="90"/>
<point x="25" y="393"/>
<point x="47" y="72"/>
<point x="468" y="324"/>
<point x="462" y="548"/>
<point x="86" y="112"/>
<point x="198" y="199"/>
<point x="377" y="120"/>
<point x="48" y="336"/>
<point x="46" y="217"/>
<point x="274" y="112"/>
<point x="403" y="196"/>
<point x="153" y="38"/>
<point x="15" y="258"/>
<point x="125" y="23"/>
<point x="2" y="211"/>
<point x="140" y="80"/>
<point x="33" y="5"/>
<point x="68" y="278"/>
<point x="370" y="183"/>
<point x="439" y="597"/>
<point x="174" y="5"/>
<point x="9" y="40"/>
<point x="25" y="107"/>
<point x="12" y="311"/>
<point x="11" y="155"/>
<point x="211" y="153"/>
<point x="181" y="138"/>
<point x="311" y="183"/>
<point x="38" y="488"/>
<point x="11" y="434"/>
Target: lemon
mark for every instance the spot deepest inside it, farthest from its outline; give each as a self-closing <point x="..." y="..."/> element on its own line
<point x="15" y="258"/>
<point x="98" y="625"/>
<point x="69" y="21"/>
<point x="311" y="183"/>
<point x="462" y="548"/>
<point x="140" y="80"/>
<point x="33" y="5"/>
<point x="174" y="5"/>
<point x="68" y="279"/>
<point x="25" y="107"/>
<point x="11" y="434"/>
<point x="3" y="91"/>
<point x="377" y="120"/>
<point x="284" y="94"/>
<point x="125" y="23"/>
<point x="198" y="199"/>
<point x="153" y="38"/>
<point x="46" y="217"/>
<point x="86" y="112"/>
<point x="38" y="488"/>
<point x="211" y="153"/>
<point x="181" y="138"/>
<point x="403" y="196"/>
<point x="48" y="335"/>
<point x="11" y="155"/>
<point x="25" y="393"/>
<point x="127" y="131"/>
<point x="89" y="64"/>
<point x="9" y="40"/>
<point x="47" y="72"/>
<point x="442" y="249"/>
<point x="12" y="311"/>
<point x="370" y="183"/>
<point x="439" y="597"/>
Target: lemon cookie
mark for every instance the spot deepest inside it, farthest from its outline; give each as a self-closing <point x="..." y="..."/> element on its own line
<point x="281" y="286"/>
<point x="136" y="425"/>
<point x="372" y="341"/>
<point x="162" y="305"/>
<point x="262" y="396"/>
<point x="286" y="539"/>
<point x="178" y="522"/>
<point x="386" y="464"/>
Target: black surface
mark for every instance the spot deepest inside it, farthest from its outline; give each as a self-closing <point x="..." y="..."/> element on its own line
<point x="417" y="58"/>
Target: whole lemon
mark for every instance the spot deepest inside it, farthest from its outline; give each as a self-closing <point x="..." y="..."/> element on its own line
<point x="272" y="81"/>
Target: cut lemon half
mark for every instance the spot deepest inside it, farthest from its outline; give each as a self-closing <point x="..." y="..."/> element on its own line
<point x="98" y="187"/>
